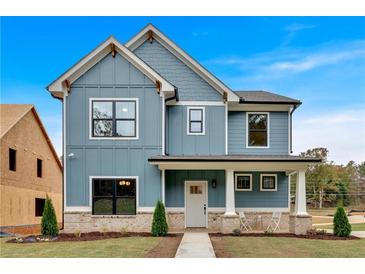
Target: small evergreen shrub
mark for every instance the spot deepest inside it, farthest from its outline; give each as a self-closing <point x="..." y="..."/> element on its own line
<point x="159" y="223"/>
<point x="341" y="225"/>
<point x="49" y="225"/>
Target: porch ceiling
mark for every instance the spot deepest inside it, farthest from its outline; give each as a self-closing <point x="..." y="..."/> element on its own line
<point x="286" y="163"/>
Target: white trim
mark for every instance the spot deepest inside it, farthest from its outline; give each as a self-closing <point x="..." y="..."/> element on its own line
<point x="95" y="56"/>
<point x="289" y="139"/>
<point x="196" y="103"/>
<point x="147" y="209"/>
<point x="258" y="107"/>
<point x="77" y="209"/>
<point x="163" y="124"/>
<point x="226" y="127"/>
<point x="140" y="37"/>
<point x="176" y="209"/>
<point x="276" y="181"/>
<point x="64" y="156"/>
<point x="268" y="129"/>
<point x="113" y="99"/>
<point x="188" y="121"/>
<point x="235" y="181"/>
<point x="206" y="198"/>
<point x="163" y="186"/>
<point x="289" y="176"/>
<point x="113" y="177"/>
<point x="216" y="210"/>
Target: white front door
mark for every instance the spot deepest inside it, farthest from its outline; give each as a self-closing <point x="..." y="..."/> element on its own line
<point x="196" y="203"/>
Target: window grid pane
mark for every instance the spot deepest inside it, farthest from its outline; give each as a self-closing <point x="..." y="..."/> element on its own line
<point x="257" y="130"/>
<point x="268" y="182"/>
<point x="243" y="182"/>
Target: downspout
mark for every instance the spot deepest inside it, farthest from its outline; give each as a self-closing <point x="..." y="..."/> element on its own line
<point x="291" y="127"/>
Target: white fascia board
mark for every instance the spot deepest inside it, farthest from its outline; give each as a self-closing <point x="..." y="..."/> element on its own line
<point x="96" y="55"/>
<point x="140" y="37"/>
<point x="258" y="107"/>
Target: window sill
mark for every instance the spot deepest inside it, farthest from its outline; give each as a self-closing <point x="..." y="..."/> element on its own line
<point x="113" y="216"/>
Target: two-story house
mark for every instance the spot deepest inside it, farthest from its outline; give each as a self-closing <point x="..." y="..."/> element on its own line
<point x="144" y="122"/>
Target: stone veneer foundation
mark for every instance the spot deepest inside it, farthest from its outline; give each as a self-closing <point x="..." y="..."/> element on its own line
<point x="85" y="222"/>
<point x="300" y="224"/>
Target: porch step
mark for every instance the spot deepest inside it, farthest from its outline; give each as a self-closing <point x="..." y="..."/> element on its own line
<point x="195" y="245"/>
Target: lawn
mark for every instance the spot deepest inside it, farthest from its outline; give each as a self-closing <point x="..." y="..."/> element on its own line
<point x="355" y="227"/>
<point x="280" y="247"/>
<point x="128" y="247"/>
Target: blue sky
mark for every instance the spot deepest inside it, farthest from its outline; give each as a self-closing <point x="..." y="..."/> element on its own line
<point x="319" y="60"/>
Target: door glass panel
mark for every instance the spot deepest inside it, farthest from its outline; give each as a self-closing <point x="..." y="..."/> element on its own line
<point x="196" y="190"/>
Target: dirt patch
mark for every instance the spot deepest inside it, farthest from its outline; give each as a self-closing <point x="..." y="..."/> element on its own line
<point x="166" y="248"/>
<point x="324" y="236"/>
<point x="218" y="246"/>
<point x="90" y="236"/>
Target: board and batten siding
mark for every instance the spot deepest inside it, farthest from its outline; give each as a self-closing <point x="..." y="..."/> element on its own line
<point x="279" y="134"/>
<point x="112" y="78"/>
<point x="264" y="199"/>
<point x="211" y="143"/>
<point x="191" y="87"/>
<point x="175" y="192"/>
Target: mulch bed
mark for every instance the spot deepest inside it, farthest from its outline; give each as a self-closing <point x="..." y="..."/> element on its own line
<point x="166" y="248"/>
<point x="325" y="236"/>
<point x="90" y="236"/>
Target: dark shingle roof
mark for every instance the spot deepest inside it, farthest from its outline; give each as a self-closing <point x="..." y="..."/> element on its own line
<point x="233" y="158"/>
<point x="264" y="97"/>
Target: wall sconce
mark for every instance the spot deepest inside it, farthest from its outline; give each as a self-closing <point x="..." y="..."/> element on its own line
<point x="214" y="183"/>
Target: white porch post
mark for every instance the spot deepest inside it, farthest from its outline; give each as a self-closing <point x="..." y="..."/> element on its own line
<point x="230" y="204"/>
<point x="163" y="186"/>
<point x="300" y="197"/>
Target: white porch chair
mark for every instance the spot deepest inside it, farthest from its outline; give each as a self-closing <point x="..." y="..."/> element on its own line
<point x="274" y="222"/>
<point x="245" y="223"/>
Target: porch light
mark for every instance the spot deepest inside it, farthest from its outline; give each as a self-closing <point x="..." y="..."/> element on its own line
<point x="214" y="183"/>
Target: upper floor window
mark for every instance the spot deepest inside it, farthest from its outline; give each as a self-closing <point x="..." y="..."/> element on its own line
<point x="12" y="159"/>
<point x="258" y="130"/>
<point x="39" y="168"/>
<point x="114" y="118"/>
<point x="196" y="121"/>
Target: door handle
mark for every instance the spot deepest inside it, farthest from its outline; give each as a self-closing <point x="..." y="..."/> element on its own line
<point x="205" y="209"/>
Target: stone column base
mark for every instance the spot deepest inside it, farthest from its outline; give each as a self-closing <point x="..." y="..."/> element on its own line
<point x="230" y="223"/>
<point x="300" y="224"/>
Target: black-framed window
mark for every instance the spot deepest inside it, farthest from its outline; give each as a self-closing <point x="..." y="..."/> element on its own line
<point x="243" y="182"/>
<point x="196" y="121"/>
<point x="39" y="168"/>
<point x="114" y="196"/>
<point x="257" y="130"/>
<point x="268" y="182"/>
<point x="116" y="118"/>
<point x="12" y="159"/>
<point x="39" y="206"/>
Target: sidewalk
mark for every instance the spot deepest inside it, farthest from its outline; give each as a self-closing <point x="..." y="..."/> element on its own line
<point x="195" y="245"/>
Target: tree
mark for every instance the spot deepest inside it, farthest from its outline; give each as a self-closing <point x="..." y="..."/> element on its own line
<point x="49" y="225"/>
<point x="341" y="225"/>
<point x="159" y="223"/>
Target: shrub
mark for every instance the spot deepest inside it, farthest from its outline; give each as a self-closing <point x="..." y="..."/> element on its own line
<point x="341" y="225"/>
<point x="159" y="223"/>
<point x="49" y="225"/>
<point x="77" y="233"/>
<point x="236" y="232"/>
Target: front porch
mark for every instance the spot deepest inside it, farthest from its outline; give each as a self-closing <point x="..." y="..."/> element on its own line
<point x="199" y="193"/>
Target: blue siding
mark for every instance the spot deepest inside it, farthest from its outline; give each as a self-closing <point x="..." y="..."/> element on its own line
<point x="257" y="198"/>
<point x="190" y="85"/>
<point x="174" y="183"/>
<point x="213" y="142"/>
<point x="112" y="78"/>
<point x="237" y="134"/>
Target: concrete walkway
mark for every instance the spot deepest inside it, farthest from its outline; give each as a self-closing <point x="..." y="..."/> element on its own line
<point x="195" y="245"/>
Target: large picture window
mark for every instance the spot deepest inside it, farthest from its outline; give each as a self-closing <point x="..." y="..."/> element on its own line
<point x="257" y="124"/>
<point x="195" y="121"/>
<point x="114" y="118"/>
<point x="114" y="196"/>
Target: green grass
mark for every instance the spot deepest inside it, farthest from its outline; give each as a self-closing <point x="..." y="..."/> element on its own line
<point x="277" y="247"/>
<point x="355" y="227"/>
<point x="129" y="247"/>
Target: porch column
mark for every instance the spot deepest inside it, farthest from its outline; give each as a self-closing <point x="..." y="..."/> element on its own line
<point x="163" y="186"/>
<point x="230" y="203"/>
<point x="300" y="197"/>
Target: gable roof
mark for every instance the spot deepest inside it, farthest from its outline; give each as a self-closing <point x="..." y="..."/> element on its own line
<point x="264" y="97"/>
<point x="11" y="114"/>
<point x="151" y="31"/>
<point x="61" y="85"/>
